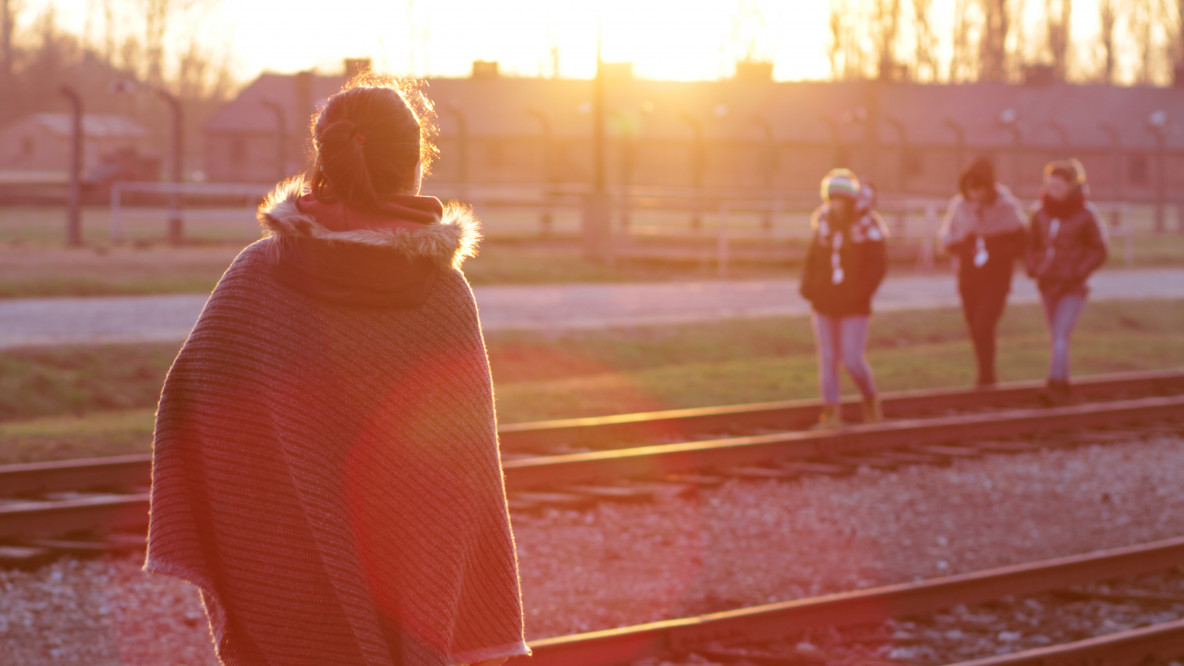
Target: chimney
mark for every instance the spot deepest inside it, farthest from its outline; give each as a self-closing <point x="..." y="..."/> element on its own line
<point x="303" y="100"/>
<point x="356" y="66"/>
<point x="1040" y="75"/>
<point x="485" y="69"/>
<point x="894" y="72"/>
<point x="753" y="71"/>
<point x="617" y="71"/>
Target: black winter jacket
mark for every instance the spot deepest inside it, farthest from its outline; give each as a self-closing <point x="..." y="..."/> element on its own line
<point x="1063" y="251"/>
<point x="1002" y="252"/>
<point x="862" y="258"/>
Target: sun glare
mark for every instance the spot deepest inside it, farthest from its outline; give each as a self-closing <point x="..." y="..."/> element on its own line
<point x="672" y="39"/>
<point x="664" y="39"/>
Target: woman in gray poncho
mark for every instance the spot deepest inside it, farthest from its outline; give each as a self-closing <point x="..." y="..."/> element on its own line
<point x="325" y="463"/>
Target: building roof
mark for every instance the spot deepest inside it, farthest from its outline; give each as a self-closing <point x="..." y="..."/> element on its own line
<point x="94" y="125"/>
<point x="248" y="113"/>
<point x="1045" y="116"/>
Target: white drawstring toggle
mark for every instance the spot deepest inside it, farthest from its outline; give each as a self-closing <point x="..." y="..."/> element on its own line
<point x="980" y="252"/>
<point x="836" y="264"/>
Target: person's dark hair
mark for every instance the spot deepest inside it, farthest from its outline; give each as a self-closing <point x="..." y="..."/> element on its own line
<point x="1070" y="170"/>
<point x="368" y="139"/>
<point x="980" y="174"/>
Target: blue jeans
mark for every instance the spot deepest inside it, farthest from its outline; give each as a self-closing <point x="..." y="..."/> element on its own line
<point x="846" y="338"/>
<point x="1061" y="313"/>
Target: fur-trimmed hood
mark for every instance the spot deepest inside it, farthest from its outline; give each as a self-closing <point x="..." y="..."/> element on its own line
<point x="392" y="263"/>
<point x="447" y="241"/>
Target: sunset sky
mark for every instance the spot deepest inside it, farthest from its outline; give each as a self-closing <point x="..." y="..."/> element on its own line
<point x="663" y="38"/>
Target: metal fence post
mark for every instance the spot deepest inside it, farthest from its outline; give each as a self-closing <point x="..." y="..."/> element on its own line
<point x="74" y="199"/>
<point x="722" y="242"/>
<point x="926" y="256"/>
<point x="116" y="201"/>
<point x="1128" y="235"/>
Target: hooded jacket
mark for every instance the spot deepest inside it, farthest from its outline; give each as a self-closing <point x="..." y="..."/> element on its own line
<point x="862" y="260"/>
<point x="1067" y="244"/>
<point x="325" y="460"/>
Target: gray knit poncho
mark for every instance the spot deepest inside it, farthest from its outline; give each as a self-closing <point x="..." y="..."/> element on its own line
<point x="325" y="464"/>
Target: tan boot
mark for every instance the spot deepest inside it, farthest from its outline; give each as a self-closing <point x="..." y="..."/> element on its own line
<point x="873" y="411"/>
<point x="830" y="418"/>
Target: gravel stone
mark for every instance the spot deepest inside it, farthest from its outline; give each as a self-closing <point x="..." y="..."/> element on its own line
<point x="745" y="543"/>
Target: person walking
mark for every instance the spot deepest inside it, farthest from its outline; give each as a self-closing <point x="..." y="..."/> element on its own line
<point x="325" y="464"/>
<point x="984" y="231"/>
<point x="844" y="266"/>
<point x="1067" y="245"/>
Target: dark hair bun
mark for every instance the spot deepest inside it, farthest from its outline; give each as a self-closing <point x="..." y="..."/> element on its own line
<point x="369" y="140"/>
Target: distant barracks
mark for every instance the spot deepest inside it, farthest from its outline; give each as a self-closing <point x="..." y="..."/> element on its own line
<point x="748" y="133"/>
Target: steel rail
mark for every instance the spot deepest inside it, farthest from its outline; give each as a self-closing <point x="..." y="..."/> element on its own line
<point x="132" y="471"/>
<point x="704" y="456"/>
<point x="52" y="519"/>
<point x="45" y="519"/>
<point x="1127" y="648"/>
<point x="796" y="414"/>
<point x="772" y="621"/>
<point x="113" y="472"/>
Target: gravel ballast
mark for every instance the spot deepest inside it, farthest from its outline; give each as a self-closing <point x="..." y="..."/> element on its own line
<point x="741" y="544"/>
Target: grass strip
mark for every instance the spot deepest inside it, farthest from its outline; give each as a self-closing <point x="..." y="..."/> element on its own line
<point x="86" y="401"/>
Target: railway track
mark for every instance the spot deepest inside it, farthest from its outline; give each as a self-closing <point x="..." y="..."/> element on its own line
<point x="758" y="635"/>
<point x="613" y="432"/>
<point x="97" y="505"/>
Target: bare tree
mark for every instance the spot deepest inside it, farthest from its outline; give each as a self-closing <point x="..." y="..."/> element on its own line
<point x="51" y="50"/>
<point x="846" y="51"/>
<point x="1141" y="24"/>
<point x="158" y="14"/>
<point x="1058" y="21"/>
<point x="837" y="39"/>
<point x="1179" y="59"/>
<point x="748" y="25"/>
<point x="131" y="56"/>
<point x="886" y="31"/>
<point x="1108" y="21"/>
<point x="962" y="63"/>
<point x="925" y="67"/>
<point x="8" y="12"/>
<point x="109" y="39"/>
<point x="993" y="51"/>
<point x="1020" y="49"/>
<point x="200" y="77"/>
<point x="192" y="72"/>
